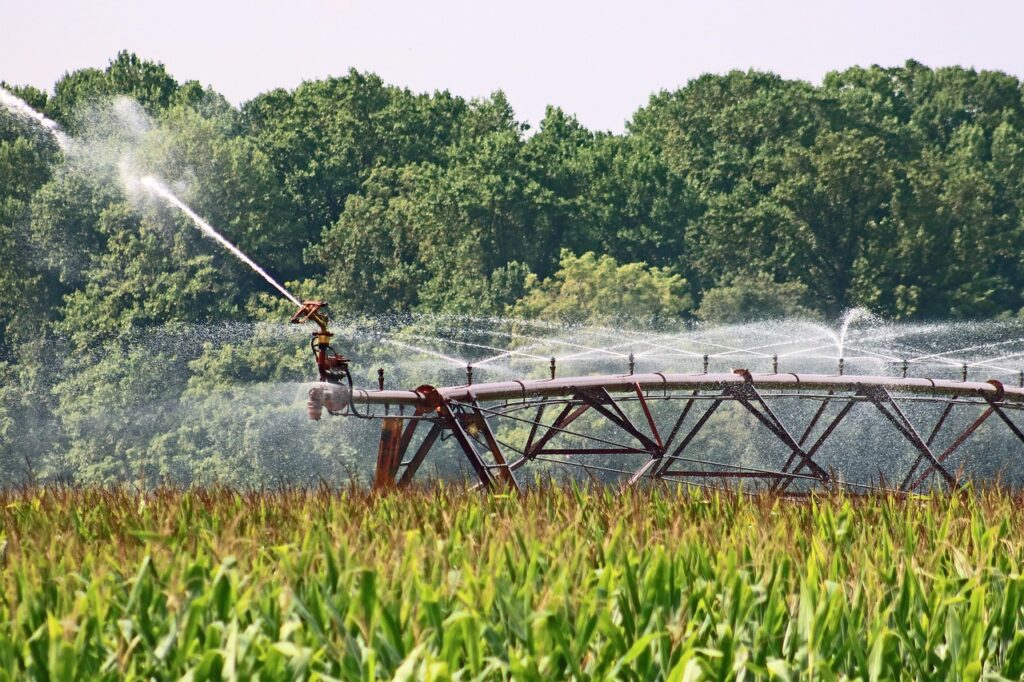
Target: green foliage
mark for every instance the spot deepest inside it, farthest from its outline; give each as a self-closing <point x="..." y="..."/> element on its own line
<point x="898" y="189"/>
<point x="755" y="297"/>
<point x="598" y="290"/>
<point x="105" y="403"/>
<point x="144" y="81"/>
<point x="565" y="583"/>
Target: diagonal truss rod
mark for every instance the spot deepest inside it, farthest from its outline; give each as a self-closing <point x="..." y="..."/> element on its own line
<point x="473" y="427"/>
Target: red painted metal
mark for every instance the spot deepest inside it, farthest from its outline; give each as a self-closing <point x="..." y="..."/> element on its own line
<point x="566" y="386"/>
<point x="470" y="414"/>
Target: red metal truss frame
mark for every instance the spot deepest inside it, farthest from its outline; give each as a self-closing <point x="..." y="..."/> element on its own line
<point x="467" y="414"/>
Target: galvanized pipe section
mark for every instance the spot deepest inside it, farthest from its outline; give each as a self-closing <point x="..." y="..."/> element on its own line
<point x="656" y="383"/>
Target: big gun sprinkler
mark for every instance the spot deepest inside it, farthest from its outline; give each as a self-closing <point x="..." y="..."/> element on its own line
<point x="334" y="392"/>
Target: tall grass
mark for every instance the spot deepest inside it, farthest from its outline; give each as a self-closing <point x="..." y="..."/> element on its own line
<point x="565" y="583"/>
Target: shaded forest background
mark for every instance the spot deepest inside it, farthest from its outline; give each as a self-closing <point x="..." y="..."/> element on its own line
<point x="737" y="196"/>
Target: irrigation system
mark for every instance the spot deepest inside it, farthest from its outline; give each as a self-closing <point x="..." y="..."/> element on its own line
<point x="608" y="424"/>
<point x="642" y="427"/>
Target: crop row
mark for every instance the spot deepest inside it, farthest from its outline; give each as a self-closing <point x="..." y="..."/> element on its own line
<point x="566" y="582"/>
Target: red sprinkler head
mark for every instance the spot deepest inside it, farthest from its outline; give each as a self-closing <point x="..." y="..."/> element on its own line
<point x="331" y="365"/>
<point x="313" y="311"/>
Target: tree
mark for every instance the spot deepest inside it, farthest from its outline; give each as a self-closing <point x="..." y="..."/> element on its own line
<point x="325" y="138"/>
<point x="755" y="297"/>
<point x="597" y="290"/>
<point x="145" y="82"/>
<point x="899" y="189"/>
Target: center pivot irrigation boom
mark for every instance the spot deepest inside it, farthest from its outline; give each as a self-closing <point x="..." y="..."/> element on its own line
<point x="646" y="427"/>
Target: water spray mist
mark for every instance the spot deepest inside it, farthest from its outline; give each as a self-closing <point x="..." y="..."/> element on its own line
<point x="159" y="189"/>
<point x="22" y="110"/>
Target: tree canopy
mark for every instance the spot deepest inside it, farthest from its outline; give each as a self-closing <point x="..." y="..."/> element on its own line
<point x="736" y="196"/>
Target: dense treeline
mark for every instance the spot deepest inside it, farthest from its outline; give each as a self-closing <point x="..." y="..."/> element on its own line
<point x="738" y="195"/>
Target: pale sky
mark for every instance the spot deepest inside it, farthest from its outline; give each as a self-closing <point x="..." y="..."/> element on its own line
<point x="595" y="59"/>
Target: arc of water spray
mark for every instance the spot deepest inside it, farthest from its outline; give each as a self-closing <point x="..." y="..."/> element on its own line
<point x="731" y="349"/>
<point x="588" y="349"/>
<point x="961" y="350"/>
<point x="849" y="318"/>
<point x="996" y="359"/>
<point x="644" y="340"/>
<point x="802" y="351"/>
<point x="883" y="356"/>
<point x="426" y="351"/>
<point x="681" y="337"/>
<point x="470" y="344"/>
<point x="774" y="344"/>
<point x="507" y="354"/>
<point x="656" y="347"/>
<point x="21" y="109"/>
<point x="997" y="368"/>
<point x="547" y="340"/>
<point x="158" y="188"/>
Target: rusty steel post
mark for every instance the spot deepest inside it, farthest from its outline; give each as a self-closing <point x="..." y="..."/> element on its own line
<point x="601" y="402"/>
<point x="814" y="420"/>
<point x="746" y="394"/>
<point x="694" y="430"/>
<point x="388" y="453"/>
<point x="931" y="439"/>
<point x="681" y="419"/>
<point x="533" y="428"/>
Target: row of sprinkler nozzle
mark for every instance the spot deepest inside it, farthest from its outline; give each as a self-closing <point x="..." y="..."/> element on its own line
<point x="904" y="367"/>
<point x="314" y="311"/>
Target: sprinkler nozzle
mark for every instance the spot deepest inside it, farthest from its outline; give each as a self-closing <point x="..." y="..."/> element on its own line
<point x="315" y="404"/>
<point x="552" y="368"/>
<point x="632" y="363"/>
<point x="333" y="397"/>
<point x="332" y="365"/>
<point x="315" y="312"/>
<point x="842" y="362"/>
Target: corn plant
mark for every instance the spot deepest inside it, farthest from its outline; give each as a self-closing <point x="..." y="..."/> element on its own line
<point x="564" y="582"/>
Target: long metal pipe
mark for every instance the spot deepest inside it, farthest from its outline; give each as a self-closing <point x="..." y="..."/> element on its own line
<point x="627" y="383"/>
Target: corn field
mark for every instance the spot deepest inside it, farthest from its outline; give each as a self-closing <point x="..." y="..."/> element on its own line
<point x="566" y="582"/>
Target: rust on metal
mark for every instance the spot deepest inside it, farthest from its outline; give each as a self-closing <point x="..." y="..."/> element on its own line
<point x="388" y="452"/>
<point x="469" y="415"/>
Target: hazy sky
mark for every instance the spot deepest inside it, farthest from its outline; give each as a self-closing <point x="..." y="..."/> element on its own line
<point x="599" y="60"/>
